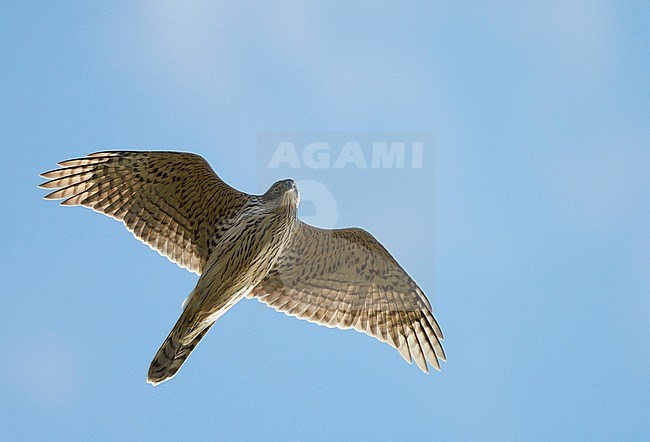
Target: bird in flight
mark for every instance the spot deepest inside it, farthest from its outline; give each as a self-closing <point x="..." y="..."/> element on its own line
<point x="251" y="246"/>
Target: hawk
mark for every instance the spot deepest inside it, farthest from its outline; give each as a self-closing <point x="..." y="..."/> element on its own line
<point x="251" y="246"/>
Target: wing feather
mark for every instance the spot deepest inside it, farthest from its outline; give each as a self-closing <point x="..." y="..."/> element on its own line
<point x="171" y="201"/>
<point x="345" y="278"/>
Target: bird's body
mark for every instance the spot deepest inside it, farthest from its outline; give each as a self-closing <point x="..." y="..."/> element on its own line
<point x="242" y="256"/>
<point x="249" y="246"/>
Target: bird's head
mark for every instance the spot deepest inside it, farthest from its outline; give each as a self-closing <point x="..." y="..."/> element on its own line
<point x="284" y="192"/>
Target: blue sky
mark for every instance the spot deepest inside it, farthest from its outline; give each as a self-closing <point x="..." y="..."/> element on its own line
<point x="527" y="225"/>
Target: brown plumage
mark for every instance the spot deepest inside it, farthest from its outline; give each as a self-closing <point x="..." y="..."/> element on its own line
<point x="245" y="245"/>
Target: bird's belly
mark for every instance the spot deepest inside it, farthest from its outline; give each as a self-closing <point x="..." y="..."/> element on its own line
<point x="239" y="262"/>
<point x="230" y="301"/>
<point x="222" y="288"/>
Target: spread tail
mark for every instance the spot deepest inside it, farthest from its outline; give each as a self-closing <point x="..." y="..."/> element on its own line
<point x="173" y="353"/>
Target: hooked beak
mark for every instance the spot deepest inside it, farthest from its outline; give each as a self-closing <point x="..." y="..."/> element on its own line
<point x="294" y="190"/>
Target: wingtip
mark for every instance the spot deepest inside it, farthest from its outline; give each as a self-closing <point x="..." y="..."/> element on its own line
<point x="66" y="163"/>
<point x="72" y="201"/>
<point x="50" y="174"/>
<point x="88" y="160"/>
<point x="105" y="153"/>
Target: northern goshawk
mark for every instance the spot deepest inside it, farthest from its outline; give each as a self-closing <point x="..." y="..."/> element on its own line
<point x="252" y="246"/>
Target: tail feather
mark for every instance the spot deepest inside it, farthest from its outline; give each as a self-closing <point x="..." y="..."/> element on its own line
<point x="172" y="354"/>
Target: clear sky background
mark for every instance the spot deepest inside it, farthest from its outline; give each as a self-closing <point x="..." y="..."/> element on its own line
<point x="531" y="237"/>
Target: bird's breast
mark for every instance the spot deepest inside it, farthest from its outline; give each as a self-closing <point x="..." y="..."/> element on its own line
<point x="247" y="251"/>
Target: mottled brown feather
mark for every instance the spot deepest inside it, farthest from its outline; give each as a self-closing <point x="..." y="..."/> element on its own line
<point x="171" y="201"/>
<point x="345" y="278"/>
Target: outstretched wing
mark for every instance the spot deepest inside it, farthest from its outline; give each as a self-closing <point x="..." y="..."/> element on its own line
<point x="345" y="278"/>
<point x="171" y="201"/>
